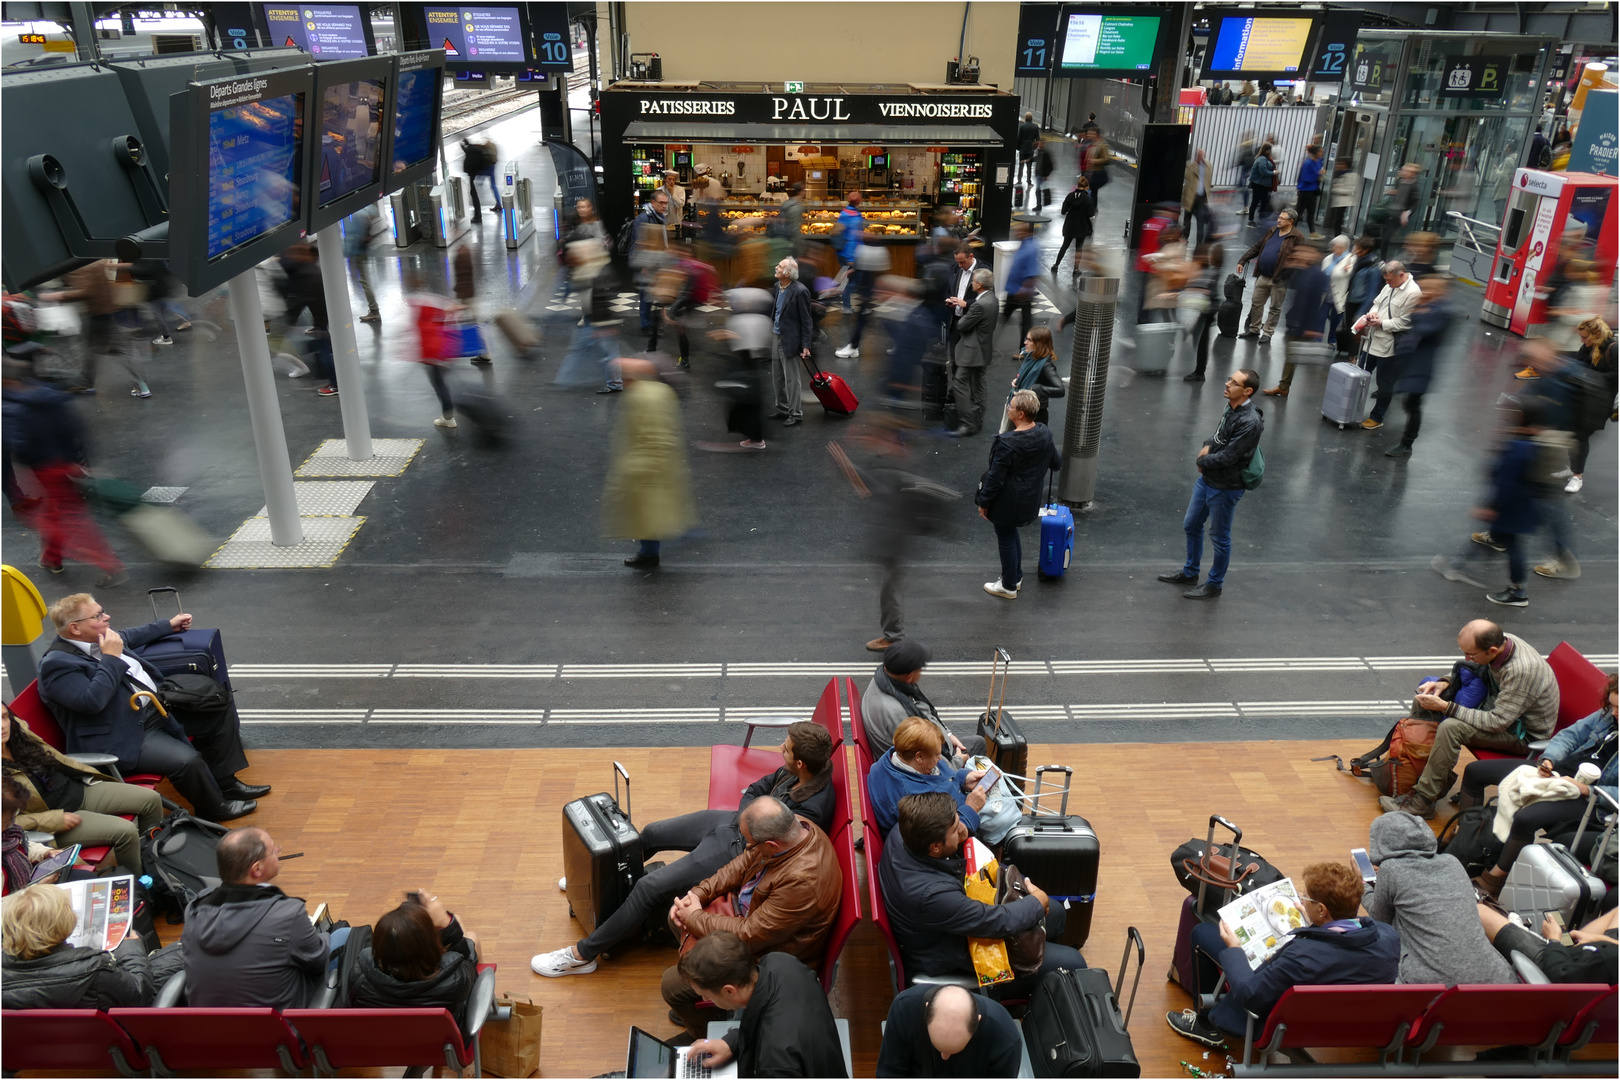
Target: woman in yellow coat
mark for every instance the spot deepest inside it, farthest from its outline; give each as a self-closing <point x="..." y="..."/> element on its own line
<point x="648" y="496"/>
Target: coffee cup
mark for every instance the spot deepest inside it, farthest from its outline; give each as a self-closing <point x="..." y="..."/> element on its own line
<point x="1588" y="773"/>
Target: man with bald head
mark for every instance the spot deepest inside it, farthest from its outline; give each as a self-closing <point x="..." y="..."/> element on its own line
<point x="948" y="1031"/>
<point x="784" y="889"/>
<point x="1525" y="708"/>
<point x="246" y="942"/>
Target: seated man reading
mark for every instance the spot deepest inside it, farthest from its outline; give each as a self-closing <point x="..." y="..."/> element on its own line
<point x="894" y="694"/>
<point x="787" y="1026"/>
<point x="803" y="784"/>
<point x="89" y="676"/>
<point x="922" y="874"/>
<point x="784" y="888"/>
<point x="949" y="1031"/>
<point x="1525" y="708"/>
<point x="246" y="942"/>
<point x="916" y="764"/>
<point x="1337" y="948"/>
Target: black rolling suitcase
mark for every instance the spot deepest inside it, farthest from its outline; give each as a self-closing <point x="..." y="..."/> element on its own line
<point x="1058" y="852"/>
<point x="1004" y="744"/>
<point x="1074" y="1026"/>
<point x="601" y="853"/>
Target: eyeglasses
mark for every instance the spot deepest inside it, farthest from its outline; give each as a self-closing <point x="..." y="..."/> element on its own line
<point x="97" y="617"/>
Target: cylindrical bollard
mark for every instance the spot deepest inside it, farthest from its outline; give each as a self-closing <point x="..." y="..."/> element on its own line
<point x="1088" y="378"/>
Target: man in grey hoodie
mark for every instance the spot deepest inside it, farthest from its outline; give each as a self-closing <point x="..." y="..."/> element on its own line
<point x="247" y="943"/>
<point x="1428" y="898"/>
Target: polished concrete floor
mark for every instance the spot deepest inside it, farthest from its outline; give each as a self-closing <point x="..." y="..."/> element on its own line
<point x="481" y="554"/>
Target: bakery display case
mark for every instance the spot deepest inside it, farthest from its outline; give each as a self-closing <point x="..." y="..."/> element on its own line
<point x="884" y="218"/>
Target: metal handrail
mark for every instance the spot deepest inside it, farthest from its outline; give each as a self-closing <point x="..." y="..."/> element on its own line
<point x="1465" y="231"/>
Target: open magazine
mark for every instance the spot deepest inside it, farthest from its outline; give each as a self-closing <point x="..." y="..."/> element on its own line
<point x="1263" y="919"/>
<point x="106" y="910"/>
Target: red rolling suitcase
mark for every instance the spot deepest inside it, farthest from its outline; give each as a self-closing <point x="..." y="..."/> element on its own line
<point x="831" y="390"/>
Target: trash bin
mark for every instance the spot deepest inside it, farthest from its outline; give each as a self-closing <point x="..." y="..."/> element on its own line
<point x="1155" y="347"/>
<point x="1005" y="250"/>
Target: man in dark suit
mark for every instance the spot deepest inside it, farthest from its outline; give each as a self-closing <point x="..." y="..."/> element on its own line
<point x="793" y="328"/>
<point x="90" y="682"/>
<point x="976" y="329"/>
<point x="961" y="289"/>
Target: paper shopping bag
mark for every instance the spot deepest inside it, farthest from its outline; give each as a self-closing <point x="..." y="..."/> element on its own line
<point x="512" y="1047"/>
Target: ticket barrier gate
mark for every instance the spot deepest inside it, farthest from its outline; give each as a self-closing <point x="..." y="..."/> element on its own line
<point x="447" y="215"/>
<point x="407" y="214"/>
<point x="517" y="207"/>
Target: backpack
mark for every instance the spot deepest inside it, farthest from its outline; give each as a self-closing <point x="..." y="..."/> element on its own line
<point x="1233" y="288"/>
<point x="179" y="858"/>
<point x="1254" y="471"/>
<point x="1470" y="839"/>
<point x="1544" y="159"/>
<point x="625" y="238"/>
<point x="1396" y="763"/>
<point x="705" y="282"/>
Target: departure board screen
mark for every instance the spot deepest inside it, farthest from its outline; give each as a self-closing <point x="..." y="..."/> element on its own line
<point x="414" y="116"/>
<point x="326" y="32"/>
<point x="493" y="35"/>
<point x="1250" y="45"/>
<point x="1097" y="42"/>
<point x="255" y="165"/>
<point x="351" y="137"/>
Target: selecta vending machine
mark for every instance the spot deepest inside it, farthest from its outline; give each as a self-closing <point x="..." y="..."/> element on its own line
<point x="1550" y="216"/>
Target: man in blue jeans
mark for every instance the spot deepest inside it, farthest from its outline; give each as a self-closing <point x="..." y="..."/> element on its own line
<point x="1221" y="463"/>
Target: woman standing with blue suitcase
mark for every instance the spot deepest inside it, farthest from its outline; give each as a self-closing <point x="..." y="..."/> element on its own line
<point x="1009" y="494"/>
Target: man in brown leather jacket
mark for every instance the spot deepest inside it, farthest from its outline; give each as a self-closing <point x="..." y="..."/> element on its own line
<point x="785" y="889"/>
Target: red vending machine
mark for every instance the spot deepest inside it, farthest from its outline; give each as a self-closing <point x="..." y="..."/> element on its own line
<point x="1550" y="217"/>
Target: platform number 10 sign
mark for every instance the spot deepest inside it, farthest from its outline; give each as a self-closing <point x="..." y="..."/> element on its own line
<point x="553" y="49"/>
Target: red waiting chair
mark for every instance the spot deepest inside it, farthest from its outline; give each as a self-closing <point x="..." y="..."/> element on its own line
<point x="857" y="723"/>
<point x="42" y="722"/>
<point x="80" y="1042"/>
<point x="849" y="908"/>
<point x="209" y="1040"/>
<point x="1599" y="1022"/>
<point x="1380" y="1017"/>
<point x="1518" y="1015"/>
<point x="733" y="768"/>
<point x="384" y="1038"/>
<point x="1580" y="693"/>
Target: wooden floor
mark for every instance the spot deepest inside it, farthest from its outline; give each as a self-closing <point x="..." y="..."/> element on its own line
<point x="481" y="828"/>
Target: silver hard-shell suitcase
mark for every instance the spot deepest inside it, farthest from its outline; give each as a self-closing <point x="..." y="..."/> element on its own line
<point x="1349" y="388"/>
<point x="1547" y="877"/>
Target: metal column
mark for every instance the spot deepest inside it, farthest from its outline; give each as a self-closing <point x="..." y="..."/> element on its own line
<point x="1088" y="379"/>
<point x="269" y="437"/>
<point x="340" y="324"/>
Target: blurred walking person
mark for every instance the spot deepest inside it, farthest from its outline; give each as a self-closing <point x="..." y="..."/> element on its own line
<point x="357" y="249"/>
<point x="596" y="337"/>
<point x="478" y="158"/>
<point x="1309" y="187"/>
<point x="1416" y="355"/>
<point x="465" y="286"/>
<point x="1009" y="496"/>
<point x="1598" y="387"/>
<point x="1195" y="199"/>
<point x="1512" y="507"/>
<point x="1342" y="191"/>
<point x="1307" y="317"/>
<point x="438" y="333"/>
<point x="43" y="434"/>
<point x="1078" y="209"/>
<point x="1200" y="297"/>
<point x="648" y="495"/>
<point x="1262" y="182"/>
<point x="92" y="286"/>
<point x="1029" y="137"/>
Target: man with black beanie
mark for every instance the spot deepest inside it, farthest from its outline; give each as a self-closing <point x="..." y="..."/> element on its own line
<point x="893" y="695"/>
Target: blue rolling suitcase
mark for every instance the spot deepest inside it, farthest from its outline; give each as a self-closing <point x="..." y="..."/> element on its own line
<point x="1057" y="538"/>
<point x="197" y="650"/>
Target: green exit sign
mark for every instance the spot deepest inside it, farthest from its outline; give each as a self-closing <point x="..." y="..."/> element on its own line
<point x="793" y="88"/>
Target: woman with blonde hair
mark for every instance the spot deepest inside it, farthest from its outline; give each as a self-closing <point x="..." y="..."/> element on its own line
<point x="1596" y="404"/>
<point x="42" y="971"/>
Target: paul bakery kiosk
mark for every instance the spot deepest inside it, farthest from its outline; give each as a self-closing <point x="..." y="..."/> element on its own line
<point x="907" y="149"/>
<point x="1550" y="216"/>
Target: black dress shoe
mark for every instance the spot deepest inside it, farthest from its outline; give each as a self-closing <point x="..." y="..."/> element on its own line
<point x="642" y="562"/>
<point x="962" y="432"/>
<point x="1205" y="591"/>
<point x="1180" y="577"/>
<point x="791" y="421"/>
<point x="236" y="789"/>
<point x="230" y="808"/>
<point x="1194" y="377"/>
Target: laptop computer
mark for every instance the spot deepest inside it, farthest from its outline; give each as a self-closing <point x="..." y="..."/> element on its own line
<point x="652" y="1056"/>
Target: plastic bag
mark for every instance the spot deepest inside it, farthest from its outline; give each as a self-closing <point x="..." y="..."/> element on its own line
<point x="991" y="964"/>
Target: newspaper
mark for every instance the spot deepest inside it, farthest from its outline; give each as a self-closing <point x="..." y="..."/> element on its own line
<point x="106" y="910"/>
<point x="1263" y="919"/>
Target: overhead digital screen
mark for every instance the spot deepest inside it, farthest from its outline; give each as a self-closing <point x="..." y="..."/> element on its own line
<point x="1259" y="45"/>
<point x="326" y="32"/>
<point x="255" y="165"/>
<point x="479" y="35"/>
<point x="351" y="137"/>
<point x="415" y="116"/>
<point x="553" y="40"/>
<point x="1097" y="43"/>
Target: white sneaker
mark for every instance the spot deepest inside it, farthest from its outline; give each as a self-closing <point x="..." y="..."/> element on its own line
<point x="848" y="352"/>
<point x="996" y="588"/>
<point x="1563" y="474"/>
<point x="554" y="965"/>
<point x="1575" y="484"/>
<point x="163" y="339"/>
<point x="444" y="421"/>
<point x="562" y="884"/>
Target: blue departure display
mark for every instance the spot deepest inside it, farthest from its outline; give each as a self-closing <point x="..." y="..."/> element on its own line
<point x="351" y="137"/>
<point x="254" y="170"/>
<point x="413" y="116"/>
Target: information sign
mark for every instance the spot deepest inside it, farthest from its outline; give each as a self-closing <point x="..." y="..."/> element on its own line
<point x="478" y="35"/>
<point x="325" y="31"/>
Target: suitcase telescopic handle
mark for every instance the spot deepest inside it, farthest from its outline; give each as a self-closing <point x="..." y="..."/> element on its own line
<point x="618" y="771"/>
<point x="1040" y="787"/>
<point x="1591" y="804"/>
<point x="151" y="595"/>
<point x="1132" y="934"/>
<point x="1209" y="849"/>
<point x="1003" y="659"/>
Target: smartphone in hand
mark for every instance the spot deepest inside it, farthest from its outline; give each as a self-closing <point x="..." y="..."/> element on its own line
<point x="991" y="775"/>
<point x="1364" y="865"/>
<point x="1557" y="919"/>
